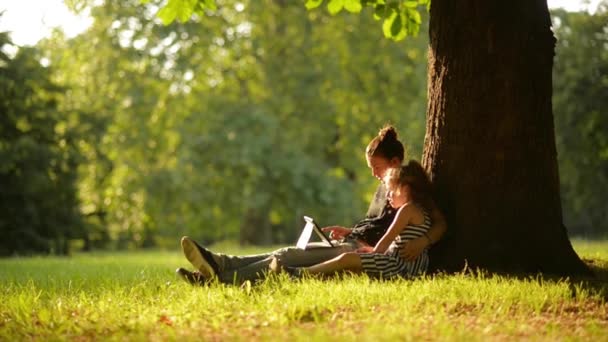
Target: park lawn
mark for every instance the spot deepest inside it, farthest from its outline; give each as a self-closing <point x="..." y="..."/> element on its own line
<point x="135" y="296"/>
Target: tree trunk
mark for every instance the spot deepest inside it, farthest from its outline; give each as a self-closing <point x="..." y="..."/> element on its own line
<point x="489" y="145"/>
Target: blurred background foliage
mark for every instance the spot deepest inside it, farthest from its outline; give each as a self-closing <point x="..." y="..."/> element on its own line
<point x="233" y="126"/>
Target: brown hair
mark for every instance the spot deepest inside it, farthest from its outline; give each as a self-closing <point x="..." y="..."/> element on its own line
<point x="386" y="145"/>
<point x="413" y="174"/>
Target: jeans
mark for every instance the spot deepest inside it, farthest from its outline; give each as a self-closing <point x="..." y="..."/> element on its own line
<point x="234" y="269"/>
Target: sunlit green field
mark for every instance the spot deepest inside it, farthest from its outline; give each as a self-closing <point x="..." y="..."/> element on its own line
<point x="135" y="296"/>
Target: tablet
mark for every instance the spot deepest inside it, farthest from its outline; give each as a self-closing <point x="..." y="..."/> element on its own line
<point x="311" y="226"/>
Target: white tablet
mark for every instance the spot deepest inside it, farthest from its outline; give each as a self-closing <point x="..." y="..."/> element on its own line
<point x="311" y="226"/>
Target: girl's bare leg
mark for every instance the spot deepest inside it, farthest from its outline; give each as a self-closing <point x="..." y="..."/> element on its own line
<point x="344" y="262"/>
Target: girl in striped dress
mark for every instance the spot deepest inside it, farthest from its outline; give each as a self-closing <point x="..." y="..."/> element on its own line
<point x="408" y="191"/>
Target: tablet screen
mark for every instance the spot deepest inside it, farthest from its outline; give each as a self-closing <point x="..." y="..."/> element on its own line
<point x="310" y="221"/>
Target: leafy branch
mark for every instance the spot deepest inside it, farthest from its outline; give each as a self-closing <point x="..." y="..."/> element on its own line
<point x="400" y="18"/>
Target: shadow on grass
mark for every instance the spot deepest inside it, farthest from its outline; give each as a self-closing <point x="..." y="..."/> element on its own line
<point x="597" y="284"/>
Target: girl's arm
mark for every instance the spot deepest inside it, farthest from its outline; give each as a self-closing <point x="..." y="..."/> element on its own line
<point x="401" y="220"/>
<point x="414" y="248"/>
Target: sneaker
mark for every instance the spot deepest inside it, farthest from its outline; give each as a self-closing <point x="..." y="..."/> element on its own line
<point x="194" y="278"/>
<point x="199" y="257"/>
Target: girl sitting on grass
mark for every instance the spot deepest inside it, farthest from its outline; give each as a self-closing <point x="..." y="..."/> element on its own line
<point x="408" y="191"/>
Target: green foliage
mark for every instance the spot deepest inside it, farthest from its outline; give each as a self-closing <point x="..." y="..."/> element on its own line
<point x="136" y="296"/>
<point x="183" y="10"/>
<point x="581" y="119"/>
<point x="38" y="200"/>
<point x="401" y="18"/>
<point x="203" y="129"/>
<point x="312" y="4"/>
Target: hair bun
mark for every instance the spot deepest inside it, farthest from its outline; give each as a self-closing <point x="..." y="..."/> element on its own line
<point x="388" y="133"/>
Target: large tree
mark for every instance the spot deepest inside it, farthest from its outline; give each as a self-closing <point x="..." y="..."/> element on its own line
<point x="489" y="146"/>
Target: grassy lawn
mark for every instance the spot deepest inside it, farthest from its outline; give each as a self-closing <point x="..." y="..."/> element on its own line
<point x="135" y="296"/>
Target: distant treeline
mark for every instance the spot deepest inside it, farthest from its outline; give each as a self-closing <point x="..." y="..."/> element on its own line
<point x="233" y="126"/>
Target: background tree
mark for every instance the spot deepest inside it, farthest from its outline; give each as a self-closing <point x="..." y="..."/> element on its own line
<point x="38" y="199"/>
<point x="204" y="130"/>
<point x="580" y="102"/>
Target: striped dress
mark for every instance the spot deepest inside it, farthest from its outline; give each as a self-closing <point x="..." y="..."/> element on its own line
<point x="390" y="264"/>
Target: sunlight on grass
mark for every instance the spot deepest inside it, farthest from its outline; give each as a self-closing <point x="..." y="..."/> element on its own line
<point x="135" y="296"/>
<point x="591" y="249"/>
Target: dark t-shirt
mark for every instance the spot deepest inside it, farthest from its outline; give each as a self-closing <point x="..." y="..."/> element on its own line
<point x="379" y="217"/>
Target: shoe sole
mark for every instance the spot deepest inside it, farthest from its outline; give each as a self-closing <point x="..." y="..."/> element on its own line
<point x="195" y="257"/>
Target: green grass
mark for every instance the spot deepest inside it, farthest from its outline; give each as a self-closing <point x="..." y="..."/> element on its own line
<point x="135" y="296"/>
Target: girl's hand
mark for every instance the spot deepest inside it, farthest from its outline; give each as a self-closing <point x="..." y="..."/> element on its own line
<point x="413" y="248"/>
<point x="365" y="249"/>
<point x="336" y="232"/>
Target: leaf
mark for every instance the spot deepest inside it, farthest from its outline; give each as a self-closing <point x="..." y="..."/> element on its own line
<point x="335" y="6"/>
<point x="210" y="4"/>
<point x="167" y="14"/>
<point x="185" y="10"/>
<point x="353" y="6"/>
<point x="380" y="11"/>
<point x="182" y="9"/>
<point x="411" y="3"/>
<point x="414" y="16"/>
<point x="425" y="2"/>
<point x="412" y="28"/>
<point x="203" y="5"/>
<point x="311" y="4"/>
<point x="166" y="320"/>
<point x="386" y="25"/>
<point x="396" y="25"/>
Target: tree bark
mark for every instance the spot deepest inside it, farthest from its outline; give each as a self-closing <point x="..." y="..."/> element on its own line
<point x="489" y="144"/>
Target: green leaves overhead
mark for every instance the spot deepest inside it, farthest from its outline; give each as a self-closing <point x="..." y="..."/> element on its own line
<point x="310" y="4"/>
<point x="401" y="18"/>
<point x="182" y="10"/>
<point x="353" y="6"/>
<point x="335" y="6"/>
<point x="401" y="23"/>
